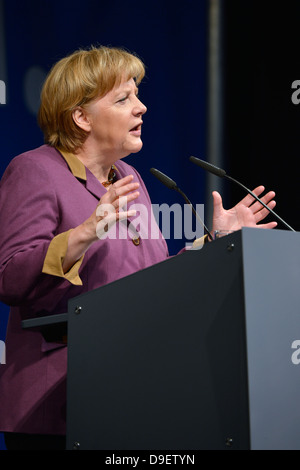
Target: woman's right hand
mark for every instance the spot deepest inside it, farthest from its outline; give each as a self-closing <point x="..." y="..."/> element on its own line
<point x="110" y="207"/>
<point x="108" y="212"/>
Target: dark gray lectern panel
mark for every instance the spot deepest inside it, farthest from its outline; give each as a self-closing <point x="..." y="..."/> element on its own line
<point x="157" y="360"/>
<point x="271" y="261"/>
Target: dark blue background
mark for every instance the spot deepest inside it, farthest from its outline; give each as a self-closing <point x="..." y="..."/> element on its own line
<point x="171" y="40"/>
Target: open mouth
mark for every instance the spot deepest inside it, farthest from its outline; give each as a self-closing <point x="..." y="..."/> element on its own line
<point x="136" y="128"/>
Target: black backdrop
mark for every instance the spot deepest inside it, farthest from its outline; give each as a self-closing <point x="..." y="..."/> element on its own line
<point x="261" y="123"/>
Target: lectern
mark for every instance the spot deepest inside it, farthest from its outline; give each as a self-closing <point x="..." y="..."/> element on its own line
<point x="197" y="352"/>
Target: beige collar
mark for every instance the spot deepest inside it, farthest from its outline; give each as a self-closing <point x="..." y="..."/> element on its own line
<point x="76" y="166"/>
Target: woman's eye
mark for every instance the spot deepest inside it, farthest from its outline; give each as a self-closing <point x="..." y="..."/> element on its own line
<point x="122" y="99"/>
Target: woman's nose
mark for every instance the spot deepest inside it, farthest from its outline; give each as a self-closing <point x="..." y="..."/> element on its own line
<point x="140" y="108"/>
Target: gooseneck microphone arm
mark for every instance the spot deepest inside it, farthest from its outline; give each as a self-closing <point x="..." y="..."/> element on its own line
<point x="172" y="185"/>
<point x="194" y="211"/>
<point x="222" y="173"/>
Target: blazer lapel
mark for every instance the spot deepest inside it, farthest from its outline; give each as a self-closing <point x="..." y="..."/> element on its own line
<point x="84" y="174"/>
<point x="93" y="185"/>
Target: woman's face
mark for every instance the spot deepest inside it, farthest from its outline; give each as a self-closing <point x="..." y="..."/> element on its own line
<point x="115" y="121"/>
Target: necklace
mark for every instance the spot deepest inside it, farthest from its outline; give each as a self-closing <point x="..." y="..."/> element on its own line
<point x="112" y="177"/>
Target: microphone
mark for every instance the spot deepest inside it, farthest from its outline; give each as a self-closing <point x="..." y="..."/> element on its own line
<point x="172" y="185"/>
<point x="222" y="173"/>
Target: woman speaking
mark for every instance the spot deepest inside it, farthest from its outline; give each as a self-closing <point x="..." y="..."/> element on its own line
<point x="58" y="204"/>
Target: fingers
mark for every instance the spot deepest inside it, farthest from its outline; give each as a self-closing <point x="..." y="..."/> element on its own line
<point x="122" y="181"/>
<point x="248" y="200"/>
<point x="109" y="209"/>
<point x="122" y="188"/>
<point x="106" y="221"/>
<point x="267" y="199"/>
<point x="259" y="211"/>
<point x="218" y="204"/>
<point x="269" y="225"/>
<point x="247" y="213"/>
<point x="263" y="212"/>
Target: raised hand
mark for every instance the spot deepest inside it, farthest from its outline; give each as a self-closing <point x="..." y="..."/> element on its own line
<point x="110" y="207"/>
<point x="247" y="213"/>
<point x="105" y="215"/>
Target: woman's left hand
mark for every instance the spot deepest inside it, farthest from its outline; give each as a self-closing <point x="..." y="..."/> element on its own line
<point x="246" y="213"/>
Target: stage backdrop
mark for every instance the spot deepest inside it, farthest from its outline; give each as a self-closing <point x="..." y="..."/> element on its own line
<point x="261" y="83"/>
<point x="169" y="37"/>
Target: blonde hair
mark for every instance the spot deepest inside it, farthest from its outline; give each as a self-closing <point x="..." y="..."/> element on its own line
<point x="77" y="80"/>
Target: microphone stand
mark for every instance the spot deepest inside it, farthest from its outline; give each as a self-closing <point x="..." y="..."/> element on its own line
<point x="222" y="173"/>
<point x="194" y="212"/>
<point x="172" y="185"/>
<point x="261" y="202"/>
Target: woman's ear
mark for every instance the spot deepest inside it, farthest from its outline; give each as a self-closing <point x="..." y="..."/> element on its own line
<point x="81" y="119"/>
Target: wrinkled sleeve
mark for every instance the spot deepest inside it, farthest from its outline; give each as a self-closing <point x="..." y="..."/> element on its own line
<point x="29" y="244"/>
<point x="197" y="245"/>
<point x="199" y="242"/>
<point x="54" y="260"/>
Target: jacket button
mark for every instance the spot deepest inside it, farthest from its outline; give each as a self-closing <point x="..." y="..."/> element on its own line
<point x="136" y="240"/>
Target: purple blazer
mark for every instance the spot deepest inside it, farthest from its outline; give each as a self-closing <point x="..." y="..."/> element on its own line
<point x="41" y="197"/>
